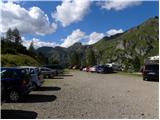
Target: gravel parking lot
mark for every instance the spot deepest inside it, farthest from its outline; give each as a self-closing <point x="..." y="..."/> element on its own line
<point x="89" y="95"/>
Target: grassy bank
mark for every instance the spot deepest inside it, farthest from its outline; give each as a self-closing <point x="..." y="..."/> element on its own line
<point x="138" y="74"/>
<point x="8" y="60"/>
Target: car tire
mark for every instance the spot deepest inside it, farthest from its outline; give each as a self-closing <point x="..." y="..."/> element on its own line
<point x="145" y="79"/>
<point x="14" y="96"/>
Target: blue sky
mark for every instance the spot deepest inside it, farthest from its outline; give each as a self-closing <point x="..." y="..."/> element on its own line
<point x="85" y="21"/>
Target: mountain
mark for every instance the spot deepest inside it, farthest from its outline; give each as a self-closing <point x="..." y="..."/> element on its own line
<point x="132" y="47"/>
<point x="128" y="49"/>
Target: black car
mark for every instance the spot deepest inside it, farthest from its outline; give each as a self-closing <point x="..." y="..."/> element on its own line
<point x="58" y="68"/>
<point x="104" y="69"/>
<point x="151" y="72"/>
<point x="16" y="82"/>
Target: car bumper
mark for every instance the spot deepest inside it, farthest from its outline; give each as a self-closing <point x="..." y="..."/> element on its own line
<point x="151" y="77"/>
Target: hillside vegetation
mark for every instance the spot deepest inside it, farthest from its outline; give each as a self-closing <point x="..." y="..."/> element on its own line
<point x="13" y="53"/>
<point x="129" y="49"/>
<point x="132" y="47"/>
<point x="9" y="60"/>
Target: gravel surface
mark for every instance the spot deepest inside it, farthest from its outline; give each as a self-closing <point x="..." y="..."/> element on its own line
<point x="89" y="95"/>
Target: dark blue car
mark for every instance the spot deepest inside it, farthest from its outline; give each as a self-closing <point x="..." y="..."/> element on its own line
<point x="16" y="82"/>
<point x="104" y="69"/>
<point x="151" y="72"/>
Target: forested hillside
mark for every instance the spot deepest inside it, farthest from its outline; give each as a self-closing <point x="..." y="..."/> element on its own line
<point x="129" y="49"/>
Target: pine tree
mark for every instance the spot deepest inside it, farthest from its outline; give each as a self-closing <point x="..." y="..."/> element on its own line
<point x="9" y="35"/>
<point x="17" y="37"/>
<point x="31" y="47"/>
<point x="74" y="59"/>
<point x="90" y="57"/>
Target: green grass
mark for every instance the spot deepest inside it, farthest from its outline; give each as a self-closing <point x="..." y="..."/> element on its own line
<point x="130" y="74"/>
<point x="8" y="60"/>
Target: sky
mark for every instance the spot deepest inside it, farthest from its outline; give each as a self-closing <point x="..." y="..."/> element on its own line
<point x="63" y="23"/>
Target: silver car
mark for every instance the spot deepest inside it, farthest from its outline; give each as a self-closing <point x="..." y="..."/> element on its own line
<point x="47" y="72"/>
<point x="36" y="76"/>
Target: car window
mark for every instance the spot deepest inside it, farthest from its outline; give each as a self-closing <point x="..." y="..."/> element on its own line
<point x="32" y="71"/>
<point x="42" y="69"/>
<point x="47" y="70"/>
<point x="152" y="67"/>
<point x="25" y="74"/>
<point x="9" y="74"/>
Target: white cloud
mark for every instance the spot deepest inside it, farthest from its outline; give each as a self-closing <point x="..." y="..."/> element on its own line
<point x="32" y="21"/>
<point x="118" y="4"/>
<point x="37" y="43"/>
<point x="71" y="11"/>
<point x="95" y="37"/>
<point x="79" y="36"/>
<point x="113" y="32"/>
<point x="74" y="37"/>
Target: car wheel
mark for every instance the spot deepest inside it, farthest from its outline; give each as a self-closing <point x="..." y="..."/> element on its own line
<point x="145" y="79"/>
<point x="14" y="96"/>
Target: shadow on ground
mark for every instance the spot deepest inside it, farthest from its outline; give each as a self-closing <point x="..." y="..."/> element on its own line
<point x="36" y="98"/>
<point x="58" y="77"/>
<point x="152" y="80"/>
<point x="18" y="114"/>
<point x="46" y="88"/>
<point x="65" y="75"/>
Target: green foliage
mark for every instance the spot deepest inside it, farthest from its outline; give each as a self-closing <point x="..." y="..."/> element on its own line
<point x="17" y="37"/>
<point x="9" y="35"/>
<point x="136" y="63"/>
<point x="53" y="61"/>
<point x="74" y="59"/>
<point x="8" y="47"/>
<point x="9" y="60"/>
<point x="13" y="36"/>
<point x="129" y="49"/>
<point x="132" y="47"/>
<point x="11" y="44"/>
<point x="90" y="57"/>
<point x="31" y="47"/>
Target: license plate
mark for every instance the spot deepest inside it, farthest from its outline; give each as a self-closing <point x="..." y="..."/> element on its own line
<point x="151" y="73"/>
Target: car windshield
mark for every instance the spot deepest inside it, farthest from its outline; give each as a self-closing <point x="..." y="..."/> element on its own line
<point x="152" y="67"/>
<point x="9" y="74"/>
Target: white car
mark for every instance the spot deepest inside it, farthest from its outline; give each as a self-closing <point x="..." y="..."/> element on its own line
<point x="92" y="69"/>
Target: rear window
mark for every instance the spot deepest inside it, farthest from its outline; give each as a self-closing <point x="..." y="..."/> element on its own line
<point x="152" y="67"/>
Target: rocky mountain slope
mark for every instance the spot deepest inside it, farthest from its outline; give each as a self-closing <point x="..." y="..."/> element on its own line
<point x="128" y="49"/>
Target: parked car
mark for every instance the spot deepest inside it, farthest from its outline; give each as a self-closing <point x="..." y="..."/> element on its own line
<point x="151" y="72"/>
<point x="16" y="82"/>
<point x="36" y="76"/>
<point x="47" y="72"/>
<point x="86" y="69"/>
<point x="3" y="94"/>
<point x="104" y="69"/>
<point x="115" y="66"/>
<point x="93" y="68"/>
<point x="81" y="68"/>
<point x="75" y="67"/>
<point x="59" y="69"/>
